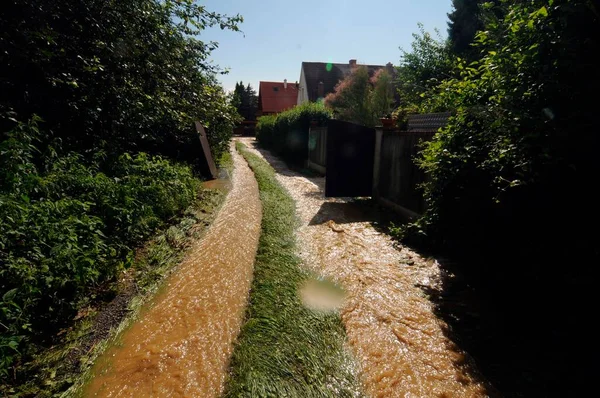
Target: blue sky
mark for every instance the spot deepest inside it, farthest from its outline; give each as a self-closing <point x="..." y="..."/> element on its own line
<point x="279" y="34"/>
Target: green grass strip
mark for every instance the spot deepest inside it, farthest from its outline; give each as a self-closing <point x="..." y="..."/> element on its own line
<point x="285" y="349"/>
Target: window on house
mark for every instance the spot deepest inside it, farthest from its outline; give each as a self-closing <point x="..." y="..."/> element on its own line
<point x="275" y="88"/>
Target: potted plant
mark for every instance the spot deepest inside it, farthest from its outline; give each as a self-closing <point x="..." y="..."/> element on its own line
<point x="387" y="121"/>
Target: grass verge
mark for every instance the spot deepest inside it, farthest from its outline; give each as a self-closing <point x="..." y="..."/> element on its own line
<point x="285" y="349"/>
<point x="65" y="365"/>
<point x="226" y="161"/>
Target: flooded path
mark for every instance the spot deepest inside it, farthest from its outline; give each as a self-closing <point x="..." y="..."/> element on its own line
<point x="392" y="330"/>
<point x="181" y="345"/>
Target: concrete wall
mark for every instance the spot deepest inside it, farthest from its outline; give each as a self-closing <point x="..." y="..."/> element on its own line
<point x="302" y="89"/>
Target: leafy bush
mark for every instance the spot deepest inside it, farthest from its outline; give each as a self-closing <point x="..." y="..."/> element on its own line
<point x="400" y="115"/>
<point x="265" y="129"/>
<point x="521" y="147"/>
<point x="361" y="99"/>
<point x="68" y="225"/>
<point x="423" y="69"/>
<point x="116" y="83"/>
<point x="127" y="75"/>
<point x="287" y="132"/>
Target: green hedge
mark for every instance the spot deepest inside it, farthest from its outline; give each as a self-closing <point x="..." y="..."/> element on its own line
<point x="68" y="225"/>
<point x="518" y="150"/>
<point x="287" y="133"/>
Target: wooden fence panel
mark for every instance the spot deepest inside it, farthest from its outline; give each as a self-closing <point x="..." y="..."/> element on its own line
<point x="317" y="149"/>
<point x="399" y="176"/>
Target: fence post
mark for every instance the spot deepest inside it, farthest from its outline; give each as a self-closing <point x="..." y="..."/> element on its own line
<point x="377" y="160"/>
<point x="207" y="164"/>
<point x="307" y="162"/>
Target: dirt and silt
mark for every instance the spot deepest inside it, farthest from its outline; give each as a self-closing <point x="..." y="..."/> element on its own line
<point x="182" y="343"/>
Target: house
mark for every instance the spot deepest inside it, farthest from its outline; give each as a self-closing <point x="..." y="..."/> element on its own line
<point x="317" y="79"/>
<point x="276" y="97"/>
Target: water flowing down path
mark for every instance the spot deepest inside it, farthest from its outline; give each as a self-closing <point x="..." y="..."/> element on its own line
<point x="182" y="343"/>
<point x="392" y="330"/>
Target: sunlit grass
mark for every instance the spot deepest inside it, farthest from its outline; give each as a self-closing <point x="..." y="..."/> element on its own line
<point x="284" y="348"/>
<point x="226" y="161"/>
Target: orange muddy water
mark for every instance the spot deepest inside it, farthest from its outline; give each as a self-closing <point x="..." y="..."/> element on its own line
<point x="181" y="345"/>
<point x="401" y="347"/>
<point x="223" y="185"/>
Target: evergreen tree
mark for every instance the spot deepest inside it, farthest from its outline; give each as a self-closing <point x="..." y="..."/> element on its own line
<point x="465" y="20"/>
<point x="251" y="102"/>
<point x="245" y="100"/>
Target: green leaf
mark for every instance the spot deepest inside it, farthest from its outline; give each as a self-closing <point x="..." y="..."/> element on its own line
<point x="10" y="295"/>
<point x="14" y="344"/>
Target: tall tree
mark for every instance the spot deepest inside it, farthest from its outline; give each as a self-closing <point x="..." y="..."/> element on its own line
<point x="238" y="93"/>
<point x="252" y="103"/>
<point x="245" y="100"/>
<point x="133" y="73"/>
<point x="464" y="21"/>
<point x="423" y="68"/>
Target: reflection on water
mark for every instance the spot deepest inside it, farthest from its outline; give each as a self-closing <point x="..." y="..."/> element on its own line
<point x="182" y="342"/>
<point x="392" y="330"/>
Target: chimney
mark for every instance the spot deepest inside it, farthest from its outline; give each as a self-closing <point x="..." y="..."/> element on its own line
<point x="352" y="63"/>
<point x="285" y="84"/>
<point x="320" y="90"/>
<point x="389" y="68"/>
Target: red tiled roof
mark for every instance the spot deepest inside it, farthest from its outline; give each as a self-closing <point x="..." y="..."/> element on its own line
<point x="273" y="97"/>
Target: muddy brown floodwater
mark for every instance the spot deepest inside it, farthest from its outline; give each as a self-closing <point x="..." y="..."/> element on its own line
<point x="181" y="345"/>
<point x="399" y="343"/>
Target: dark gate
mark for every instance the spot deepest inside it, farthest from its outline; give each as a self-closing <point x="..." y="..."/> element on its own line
<point x="350" y="154"/>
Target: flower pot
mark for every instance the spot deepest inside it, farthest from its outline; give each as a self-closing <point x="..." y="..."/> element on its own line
<point x="387" y="122"/>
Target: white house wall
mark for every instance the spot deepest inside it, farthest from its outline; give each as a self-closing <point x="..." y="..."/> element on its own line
<point x="302" y="91"/>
